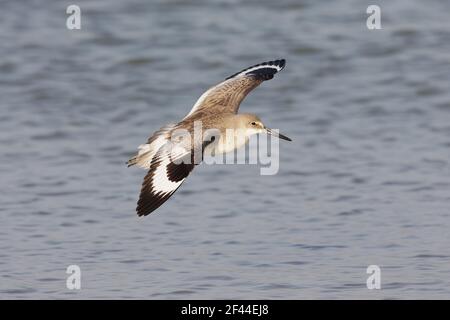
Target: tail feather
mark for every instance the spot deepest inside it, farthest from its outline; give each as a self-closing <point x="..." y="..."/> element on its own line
<point x="146" y="151"/>
<point x="132" y="161"/>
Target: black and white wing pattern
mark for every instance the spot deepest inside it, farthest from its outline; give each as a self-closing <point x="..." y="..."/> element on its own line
<point x="165" y="176"/>
<point x="228" y="95"/>
<point x="169" y="155"/>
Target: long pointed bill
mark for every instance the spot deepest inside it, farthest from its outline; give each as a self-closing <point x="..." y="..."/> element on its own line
<point x="277" y="134"/>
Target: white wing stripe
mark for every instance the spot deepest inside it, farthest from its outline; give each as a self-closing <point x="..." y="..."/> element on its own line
<point x="278" y="68"/>
<point x="161" y="182"/>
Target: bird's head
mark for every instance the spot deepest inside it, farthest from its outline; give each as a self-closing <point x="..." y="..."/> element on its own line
<point x="254" y="125"/>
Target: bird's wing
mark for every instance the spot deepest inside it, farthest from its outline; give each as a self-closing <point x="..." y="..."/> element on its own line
<point x="164" y="177"/>
<point x="228" y="95"/>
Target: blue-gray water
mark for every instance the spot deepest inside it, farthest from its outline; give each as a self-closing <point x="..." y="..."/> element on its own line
<point x="365" y="181"/>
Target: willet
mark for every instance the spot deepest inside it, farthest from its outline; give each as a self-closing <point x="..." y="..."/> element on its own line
<point x="170" y="163"/>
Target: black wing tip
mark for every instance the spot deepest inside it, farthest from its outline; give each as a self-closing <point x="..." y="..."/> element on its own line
<point x="150" y="202"/>
<point x="151" y="199"/>
<point x="142" y="213"/>
<point x="265" y="71"/>
<point x="282" y="63"/>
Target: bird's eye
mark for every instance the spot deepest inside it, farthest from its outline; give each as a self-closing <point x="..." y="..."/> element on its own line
<point x="253" y="123"/>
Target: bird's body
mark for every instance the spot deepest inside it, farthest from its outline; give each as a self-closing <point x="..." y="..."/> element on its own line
<point x="213" y="126"/>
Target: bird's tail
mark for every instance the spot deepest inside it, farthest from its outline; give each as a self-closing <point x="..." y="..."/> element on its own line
<point x="147" y="150"/>
<point x="132" y="161"/>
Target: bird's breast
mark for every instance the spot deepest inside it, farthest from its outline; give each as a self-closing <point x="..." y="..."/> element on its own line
<point x="228" y="143"/>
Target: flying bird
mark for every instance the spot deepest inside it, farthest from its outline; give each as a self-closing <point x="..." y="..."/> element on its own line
<point x="170" y="154"/>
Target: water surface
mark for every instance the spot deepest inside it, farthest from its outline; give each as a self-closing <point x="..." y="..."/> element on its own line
<point x="365" y="181"/>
